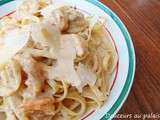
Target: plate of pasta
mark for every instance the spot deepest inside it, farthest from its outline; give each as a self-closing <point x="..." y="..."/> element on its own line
<point x="63" y="60"/>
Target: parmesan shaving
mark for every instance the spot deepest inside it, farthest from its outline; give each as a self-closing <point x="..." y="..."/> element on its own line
<point x="13" y="41"/>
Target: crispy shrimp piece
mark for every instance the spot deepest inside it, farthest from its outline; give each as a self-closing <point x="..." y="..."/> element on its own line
<point x="66" y="18"/>
<point x="77" y="22"/>
<point x="77" y="43"/>
<point x="34" y="107"/>
<point x="62" y="20"/>
<point x="35" y="76"/>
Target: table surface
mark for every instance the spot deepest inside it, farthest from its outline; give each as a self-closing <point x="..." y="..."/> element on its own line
<point x="142" y="18"/>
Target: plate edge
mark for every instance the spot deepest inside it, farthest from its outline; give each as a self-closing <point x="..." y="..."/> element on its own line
<point x="132" y="58"/>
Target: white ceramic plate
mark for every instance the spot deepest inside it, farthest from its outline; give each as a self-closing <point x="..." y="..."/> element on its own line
<point x="123" y="77"/>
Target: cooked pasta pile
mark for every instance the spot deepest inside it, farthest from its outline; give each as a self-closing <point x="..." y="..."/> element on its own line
<point x="55" y="63"/>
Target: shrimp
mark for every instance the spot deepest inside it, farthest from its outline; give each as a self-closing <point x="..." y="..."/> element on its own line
<point x="77" y="42"/>
<point x="45" y="106"/>
<point x="77" y="22"/>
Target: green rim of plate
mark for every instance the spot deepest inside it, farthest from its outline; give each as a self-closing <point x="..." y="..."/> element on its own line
<point x="131" y="71"/>
<point x="4" y="1"/>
